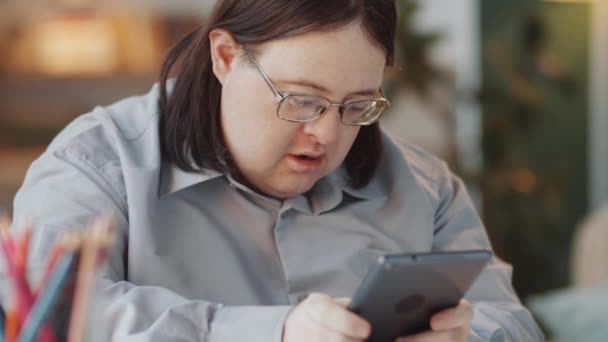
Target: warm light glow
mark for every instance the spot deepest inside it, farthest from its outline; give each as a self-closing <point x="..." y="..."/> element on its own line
<point x="80" y="45"/>
<point x="523" y="181"/>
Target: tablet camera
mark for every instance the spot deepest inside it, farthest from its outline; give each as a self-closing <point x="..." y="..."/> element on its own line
<point x="409" y="304"/>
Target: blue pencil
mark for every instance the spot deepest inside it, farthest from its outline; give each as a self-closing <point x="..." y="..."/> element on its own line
<point x="46" y="300"/>
<point x="2" y="318"/>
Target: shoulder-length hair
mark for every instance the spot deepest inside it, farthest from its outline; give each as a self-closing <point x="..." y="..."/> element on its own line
<point x="190" y="127"/>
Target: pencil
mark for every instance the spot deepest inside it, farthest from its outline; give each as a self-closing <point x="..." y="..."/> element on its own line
<point x="47" y="299"/>
<point x="22" y="294"/>
<point x="68" y="243"/>
<point x="94" y="247"/>
<point x="24" y="246"/>
<point x="12" y="324"/>
<point x="2" y="318"/>
<point x="59" y="320"/>
<point x="56" y="252"/>
<point x="5" y="223"/>
<point x="87" y="262"/>
<point x="23" y="297"/>
<point x="20" y="261"/>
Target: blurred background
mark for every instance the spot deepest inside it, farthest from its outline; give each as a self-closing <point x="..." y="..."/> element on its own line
<point x="513" y="94"/>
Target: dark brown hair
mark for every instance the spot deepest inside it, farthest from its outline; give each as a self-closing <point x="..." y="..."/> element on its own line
<point x="190" y="129"/>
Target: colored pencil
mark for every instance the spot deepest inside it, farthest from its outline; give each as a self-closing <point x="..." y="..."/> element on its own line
<point x="16" y="258"/>
<point x="12" y="324"/>
<point x="56" y="252"/>
<point x="2" y="318"/>
<point x="88" y="261"/>
<point x="56" y="308"/>
<point x="22" y="294"/>
<point x="47" y="298"/>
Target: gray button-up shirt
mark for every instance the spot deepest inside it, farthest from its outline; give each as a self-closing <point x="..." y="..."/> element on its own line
<point x="201" y="257"/>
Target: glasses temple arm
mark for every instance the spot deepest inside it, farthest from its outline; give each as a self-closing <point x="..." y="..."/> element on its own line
<point x="263" y="74"/>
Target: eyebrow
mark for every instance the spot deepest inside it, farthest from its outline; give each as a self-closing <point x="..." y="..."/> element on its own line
<point x="310" y="84"/>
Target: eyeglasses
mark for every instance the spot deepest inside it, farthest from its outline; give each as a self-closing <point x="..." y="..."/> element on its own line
<point x="305" y="108"/>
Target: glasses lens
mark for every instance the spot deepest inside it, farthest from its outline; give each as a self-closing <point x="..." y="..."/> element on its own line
<point x="363" y="112"/>
<point x="302" y="107"/>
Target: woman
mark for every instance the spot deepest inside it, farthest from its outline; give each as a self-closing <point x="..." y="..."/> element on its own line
<point x="256" y="186"/>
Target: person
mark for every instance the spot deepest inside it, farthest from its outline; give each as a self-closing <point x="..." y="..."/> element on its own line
<point x="589" y="246"/>
<point x="254" y="189"/>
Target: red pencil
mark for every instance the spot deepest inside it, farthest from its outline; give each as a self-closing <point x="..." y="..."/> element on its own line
<point x="20" y="254"/>
<point x="15" y="256"/>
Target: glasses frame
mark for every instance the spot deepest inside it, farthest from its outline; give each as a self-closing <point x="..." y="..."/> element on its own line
<point x="280" y="97"/>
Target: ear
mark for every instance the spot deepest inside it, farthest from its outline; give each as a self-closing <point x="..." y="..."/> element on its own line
<point x="224" y="50"/>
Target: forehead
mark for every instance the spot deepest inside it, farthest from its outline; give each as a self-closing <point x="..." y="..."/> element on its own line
<point x="341" y="60"/>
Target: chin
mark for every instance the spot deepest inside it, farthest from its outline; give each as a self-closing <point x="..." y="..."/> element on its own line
<point x="291" y="191"/>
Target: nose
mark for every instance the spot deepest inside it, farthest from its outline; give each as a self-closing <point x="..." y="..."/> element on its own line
<point x="325" y="129"/>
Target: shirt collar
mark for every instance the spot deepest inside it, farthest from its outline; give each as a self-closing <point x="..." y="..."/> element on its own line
<point x="326" y="194"/>
<point x="374" y="189"/>
<point x="173" y="178"/>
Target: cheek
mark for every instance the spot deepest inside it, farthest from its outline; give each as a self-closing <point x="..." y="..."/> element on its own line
<point x="347" y="139"/>
<point x="343" y="146"/>
<point x="252" y="130"/>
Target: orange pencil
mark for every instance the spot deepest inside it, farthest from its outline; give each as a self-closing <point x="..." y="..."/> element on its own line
<point x="11" y="325"/>
<point x="11" y="328"/>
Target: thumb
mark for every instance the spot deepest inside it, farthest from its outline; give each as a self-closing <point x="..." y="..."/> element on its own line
<point x="344" y="301"/>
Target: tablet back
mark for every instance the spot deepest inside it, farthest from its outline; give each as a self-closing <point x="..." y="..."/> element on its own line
<point x="401" y="292"/>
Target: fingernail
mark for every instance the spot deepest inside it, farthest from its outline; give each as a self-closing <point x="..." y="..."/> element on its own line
<point x="438" y="316"/>
<point x="437" y="322"/>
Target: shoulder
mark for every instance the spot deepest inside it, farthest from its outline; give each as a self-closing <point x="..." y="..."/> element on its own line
<point x="406" y="165"/>
<point x="97" y="147"/>
<point x="100" y="136"/>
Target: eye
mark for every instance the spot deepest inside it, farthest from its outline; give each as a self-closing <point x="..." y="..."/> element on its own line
<point x="301" y="102"/>
<point x="304" y="102"/>
<point x="356" y="108"/>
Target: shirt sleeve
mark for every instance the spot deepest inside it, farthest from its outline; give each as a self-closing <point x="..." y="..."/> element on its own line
<point x="498" y="314"/>
<point x="66" y="188"/>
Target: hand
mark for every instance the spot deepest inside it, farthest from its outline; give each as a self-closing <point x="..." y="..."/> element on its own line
<point x="452" y="324"/>
<point x="322" y="318"/>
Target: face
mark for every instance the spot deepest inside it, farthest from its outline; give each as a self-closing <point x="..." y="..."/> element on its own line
<point x="281" y="158"/>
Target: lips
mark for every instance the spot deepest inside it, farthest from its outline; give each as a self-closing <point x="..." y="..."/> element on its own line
<point x="307" y="156"/>
<point x="305" y="162"/>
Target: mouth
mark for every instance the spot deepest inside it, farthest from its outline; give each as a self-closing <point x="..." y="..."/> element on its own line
<point x="305" y="163"/>
<point x="305" y="157"/>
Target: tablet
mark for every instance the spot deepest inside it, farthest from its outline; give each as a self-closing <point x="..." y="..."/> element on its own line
<point x="402" y="291"/>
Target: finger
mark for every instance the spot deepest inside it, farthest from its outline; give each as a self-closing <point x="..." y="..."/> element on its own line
<point x="326" y="312"/>
<point x="460" y="315"/>
<point x="344" y="301"/>
<point x="328" y="335"/>
<point x="452" y="335"/>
